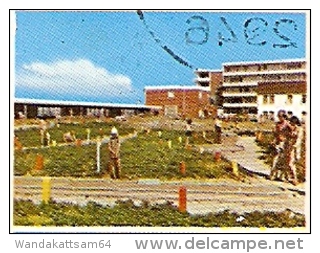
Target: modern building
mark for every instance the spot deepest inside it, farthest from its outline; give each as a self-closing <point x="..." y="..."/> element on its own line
<point x="179" y="100"/>
<point x="255" y="88"/>
<point x="212" y="78"/>
<point x="38" y="108"/>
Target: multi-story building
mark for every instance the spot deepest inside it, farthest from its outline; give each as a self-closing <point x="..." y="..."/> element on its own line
<point x="211" y="78"/>
<point x="178" y="100"/>
<point x="246" y="86"/>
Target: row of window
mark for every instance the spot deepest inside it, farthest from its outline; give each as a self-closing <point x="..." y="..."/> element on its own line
<point x="265" y="77"/>
<point x="269" y="99"/>
<point x="263" y="67"/>
<point x="172" y="95"/>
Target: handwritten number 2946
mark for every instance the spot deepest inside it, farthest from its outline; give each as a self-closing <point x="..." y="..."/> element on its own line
<point x="254" y="32"/>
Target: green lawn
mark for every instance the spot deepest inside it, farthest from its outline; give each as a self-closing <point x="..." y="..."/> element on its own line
<point x="147" y="156"/>
<point x="31" y="137"/>
<point x="126" y="213"/>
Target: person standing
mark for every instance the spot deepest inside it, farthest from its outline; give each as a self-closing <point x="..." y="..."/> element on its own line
<point x="218" y="131"/>
<point x="43" y="130"/>
<point x="281" y="133"/>
<point x="188" y="132"/>
<point x="114" y="166"/>
<point x="293" y="149"/>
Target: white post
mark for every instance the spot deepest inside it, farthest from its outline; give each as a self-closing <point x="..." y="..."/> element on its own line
<point x="98" y="155"/>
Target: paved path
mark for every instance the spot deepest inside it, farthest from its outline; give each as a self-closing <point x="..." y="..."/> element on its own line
<point x="202" y="196"/>
<point x="248" y="156"/>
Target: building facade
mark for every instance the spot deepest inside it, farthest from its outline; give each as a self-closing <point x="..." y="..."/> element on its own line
<point x="288" y="96"/>
<point x="213" y="79"/>
<point x="254" y="88"/>
<point x="179" y="101"/>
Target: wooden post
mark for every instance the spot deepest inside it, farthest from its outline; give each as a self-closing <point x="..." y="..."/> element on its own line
<point x="88" y="134"/>
<point x="98" y="155"/>
<point x="182" y="199"/>
<point x="217" y="156"/>
<point x="182" y="167"/>
<point x="39" y="162"/>
<point x="78" y="142"/>
<point x="46" y="189"/>
<point x="235" y="169"/>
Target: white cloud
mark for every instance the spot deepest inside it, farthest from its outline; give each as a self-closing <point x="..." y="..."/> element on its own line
<point x="79" y="78"/>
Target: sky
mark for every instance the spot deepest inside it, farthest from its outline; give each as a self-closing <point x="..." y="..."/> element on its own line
<point x="110" y="56"/>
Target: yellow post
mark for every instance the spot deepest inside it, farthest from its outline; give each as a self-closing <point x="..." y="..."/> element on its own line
<point x="180" y="139"/>
<point x="235" y="170"/>
<point x="159" y="134"/>
<point x="88" y="134"/>
<point x="54" y="143"/>
<point x="46" y="189"/>
<point x="170" y="144"/>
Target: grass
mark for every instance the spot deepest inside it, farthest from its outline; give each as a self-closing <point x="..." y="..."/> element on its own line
<point x="31" y="137"/>
<point x="125" y="213"/>
<point x="147" y="156"/>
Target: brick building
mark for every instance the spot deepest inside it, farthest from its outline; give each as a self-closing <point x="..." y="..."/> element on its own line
<point x="177" y="100"/>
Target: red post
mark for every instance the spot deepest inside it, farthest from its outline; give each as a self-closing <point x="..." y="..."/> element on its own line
<point x="182" y="168"/>
<point x="39" y="162"/>
<point x="182" y="199"/>
<point x="217" y="156"/>
<point x="78" y="142"/>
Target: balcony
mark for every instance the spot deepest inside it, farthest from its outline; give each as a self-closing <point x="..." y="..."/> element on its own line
<point x="264" y="72"/>
<point x="242" y="105"/>
<point x="201" y="79"/>
<point x="239" y="84"/>
<point x="239" y="94"/>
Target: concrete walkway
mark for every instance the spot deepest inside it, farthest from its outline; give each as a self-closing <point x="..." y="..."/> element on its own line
<point x="202" y="196"/>
<point x="246" y="153"/>
<point x="248" y="156"/>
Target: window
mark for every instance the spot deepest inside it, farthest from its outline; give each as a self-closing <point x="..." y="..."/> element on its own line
<point x="265" y="99"/>
<point x="271" y="99"/>
<point x="289" y="99"/>
<point x="170" y="94"/>
<point x="304" y="99"/>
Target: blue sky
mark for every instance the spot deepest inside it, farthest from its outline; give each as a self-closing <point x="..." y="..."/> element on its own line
<point x="111" y="56"/>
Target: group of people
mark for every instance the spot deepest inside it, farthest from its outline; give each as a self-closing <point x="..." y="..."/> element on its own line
<point x="288" y="135"/>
